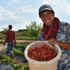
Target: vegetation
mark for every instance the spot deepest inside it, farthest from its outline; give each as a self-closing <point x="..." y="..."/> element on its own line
<point x="6" y="59"/>
<point x="31" y="32"/>
<point x="18" y="51"/>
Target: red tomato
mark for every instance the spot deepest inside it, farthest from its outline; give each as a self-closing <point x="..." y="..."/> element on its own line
<point x="44" y="53"/>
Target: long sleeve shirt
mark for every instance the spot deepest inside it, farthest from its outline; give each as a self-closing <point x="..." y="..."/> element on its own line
<point x="10" y="36"/>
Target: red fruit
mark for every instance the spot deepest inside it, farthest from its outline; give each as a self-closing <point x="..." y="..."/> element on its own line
<point x="44" y="53"/>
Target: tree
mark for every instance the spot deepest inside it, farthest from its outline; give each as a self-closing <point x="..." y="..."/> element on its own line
<point x="33" y="29"/>
<point x="4" y="31"/>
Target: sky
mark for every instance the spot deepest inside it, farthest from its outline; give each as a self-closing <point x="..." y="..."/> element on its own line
<point x="20" y="13"/>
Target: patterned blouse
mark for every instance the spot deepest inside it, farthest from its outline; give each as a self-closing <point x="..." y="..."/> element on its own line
<point x="64" y="32"/>
<point x="64" y="36"/>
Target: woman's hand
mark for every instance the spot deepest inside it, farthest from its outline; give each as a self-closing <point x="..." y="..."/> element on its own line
<point x="52" y="41"/>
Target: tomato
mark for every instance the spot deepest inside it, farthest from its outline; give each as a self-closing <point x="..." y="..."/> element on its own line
<point x="43" y="53"/>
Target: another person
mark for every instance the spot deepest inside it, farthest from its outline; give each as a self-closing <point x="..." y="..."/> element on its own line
<point x="10" y="40"/>
<point x="59" y="33"/>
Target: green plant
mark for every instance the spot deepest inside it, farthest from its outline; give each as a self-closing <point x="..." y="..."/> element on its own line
<point x="33" y="29"/>
<point x="21" y="45"/>
<point x="5" y="58"/>
<point x="18" y="52"/>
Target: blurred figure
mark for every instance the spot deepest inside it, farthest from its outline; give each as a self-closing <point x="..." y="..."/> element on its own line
<point x="10" y="40"/>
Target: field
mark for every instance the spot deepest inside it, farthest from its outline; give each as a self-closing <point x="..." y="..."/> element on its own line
<point x="18" y="62"/>
<point x="23" y="38"/>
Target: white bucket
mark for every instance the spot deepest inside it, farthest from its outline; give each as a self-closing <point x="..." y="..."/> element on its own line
<point x="42" y="65"/>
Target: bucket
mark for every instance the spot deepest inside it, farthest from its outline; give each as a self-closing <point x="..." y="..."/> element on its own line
<point x="42" y="65"/>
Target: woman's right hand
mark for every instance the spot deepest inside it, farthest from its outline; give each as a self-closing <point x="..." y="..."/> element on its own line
<point x="52" y="41"/>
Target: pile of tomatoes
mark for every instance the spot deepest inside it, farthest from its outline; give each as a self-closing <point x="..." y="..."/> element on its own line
<point x="43" y="53"/>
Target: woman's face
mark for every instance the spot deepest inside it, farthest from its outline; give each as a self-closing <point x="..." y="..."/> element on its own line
<point x="47" y="17"/>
